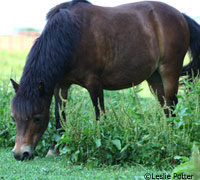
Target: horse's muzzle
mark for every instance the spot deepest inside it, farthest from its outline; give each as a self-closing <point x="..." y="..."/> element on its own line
<point x="26" y="153"/>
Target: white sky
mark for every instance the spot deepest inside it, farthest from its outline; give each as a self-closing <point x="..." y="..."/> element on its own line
<point x="16" y="14"/>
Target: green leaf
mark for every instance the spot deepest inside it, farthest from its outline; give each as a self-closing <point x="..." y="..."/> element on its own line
<point x="98" y="142"/>
<point x="75" y="156"/>
<point x="117" y="143"/>
<point x="92" y="163"/>
<point x="177" y="157"/>
<point x="184" y="168"/>
<point x="185" y="158"/>
<point x="181" y="158"/>
<point x="65" y="150"/>
<point x="124" y="148"/>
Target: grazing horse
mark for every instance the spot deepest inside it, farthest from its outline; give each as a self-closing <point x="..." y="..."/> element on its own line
<point x="99" y="48"/>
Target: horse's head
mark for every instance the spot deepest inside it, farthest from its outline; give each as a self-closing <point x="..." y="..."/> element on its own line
<point x="31" y="117"/>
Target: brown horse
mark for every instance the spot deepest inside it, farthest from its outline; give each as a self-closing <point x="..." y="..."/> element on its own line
<point x="99" y="48"/>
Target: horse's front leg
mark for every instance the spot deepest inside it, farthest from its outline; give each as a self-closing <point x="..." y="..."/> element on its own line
<point x="96" y="94"/>
<point x="63" y="91"/>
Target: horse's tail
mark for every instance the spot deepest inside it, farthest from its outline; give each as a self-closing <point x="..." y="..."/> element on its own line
<point x="194" y="48"/>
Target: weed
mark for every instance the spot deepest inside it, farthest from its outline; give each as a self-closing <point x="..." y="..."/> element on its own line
<point x="135" y="130"/>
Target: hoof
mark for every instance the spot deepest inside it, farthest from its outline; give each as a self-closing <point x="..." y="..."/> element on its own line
<point x="52" y="151"/>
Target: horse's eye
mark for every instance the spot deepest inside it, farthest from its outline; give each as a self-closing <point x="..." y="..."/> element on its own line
<point x="36" y="120"/>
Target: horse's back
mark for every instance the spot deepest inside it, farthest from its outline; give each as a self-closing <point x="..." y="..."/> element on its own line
<point x="124" y="45"/>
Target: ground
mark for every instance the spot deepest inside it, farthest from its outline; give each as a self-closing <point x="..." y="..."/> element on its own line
<point x="56" y="168"/>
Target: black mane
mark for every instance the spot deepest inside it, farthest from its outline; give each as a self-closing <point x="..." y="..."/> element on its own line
<point x="48" y="60"/>
<point x="66" y="5"/>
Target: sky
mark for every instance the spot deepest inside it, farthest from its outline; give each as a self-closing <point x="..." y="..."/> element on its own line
<point x="17" y="14"/>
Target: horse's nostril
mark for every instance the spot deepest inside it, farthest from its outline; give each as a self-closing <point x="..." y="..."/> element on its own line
<point x="26" y="155"/>
<point x="17" y="156"/>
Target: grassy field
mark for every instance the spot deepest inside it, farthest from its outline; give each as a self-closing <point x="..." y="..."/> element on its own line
<point x="11" y="64"/>
<point x="56" y="168"/>
<point x="135" y="138"/>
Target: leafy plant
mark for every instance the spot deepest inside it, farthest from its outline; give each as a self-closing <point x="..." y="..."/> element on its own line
<point x="135" y="130"/>
<point x="191" y="166"/>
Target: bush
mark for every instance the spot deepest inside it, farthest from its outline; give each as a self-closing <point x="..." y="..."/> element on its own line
<point x="135" y="130"/>
<point x="7" y="126"/>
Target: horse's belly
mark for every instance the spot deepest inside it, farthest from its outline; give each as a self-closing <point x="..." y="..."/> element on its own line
<point x="122" y="80"/>
<point x="119" y="85"/>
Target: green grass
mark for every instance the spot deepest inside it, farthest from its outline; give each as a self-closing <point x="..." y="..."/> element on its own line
<point x="58" y="168"/>
<point x="11" y="64"/>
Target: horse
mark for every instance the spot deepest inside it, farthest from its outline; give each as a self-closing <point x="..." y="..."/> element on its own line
<point x="99" y="48"/>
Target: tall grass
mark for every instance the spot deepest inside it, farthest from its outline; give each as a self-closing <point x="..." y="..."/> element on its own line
<point x="135" y="130"/>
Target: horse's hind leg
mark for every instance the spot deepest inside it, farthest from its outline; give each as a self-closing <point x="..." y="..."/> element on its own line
<point x="101" y="100"/>
<point x="165" y="85"/>
<point x="155" y="83"/>
<point x="170" y="77"/>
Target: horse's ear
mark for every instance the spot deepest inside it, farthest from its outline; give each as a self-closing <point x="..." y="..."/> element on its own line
<point x="15" y="85"/>
<point x="41" y="89"/>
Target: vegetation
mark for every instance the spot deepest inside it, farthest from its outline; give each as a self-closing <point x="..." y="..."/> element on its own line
<point x="190" y="166"/>
<point x="135" y="131"/>
<point x="57" y="168"/>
